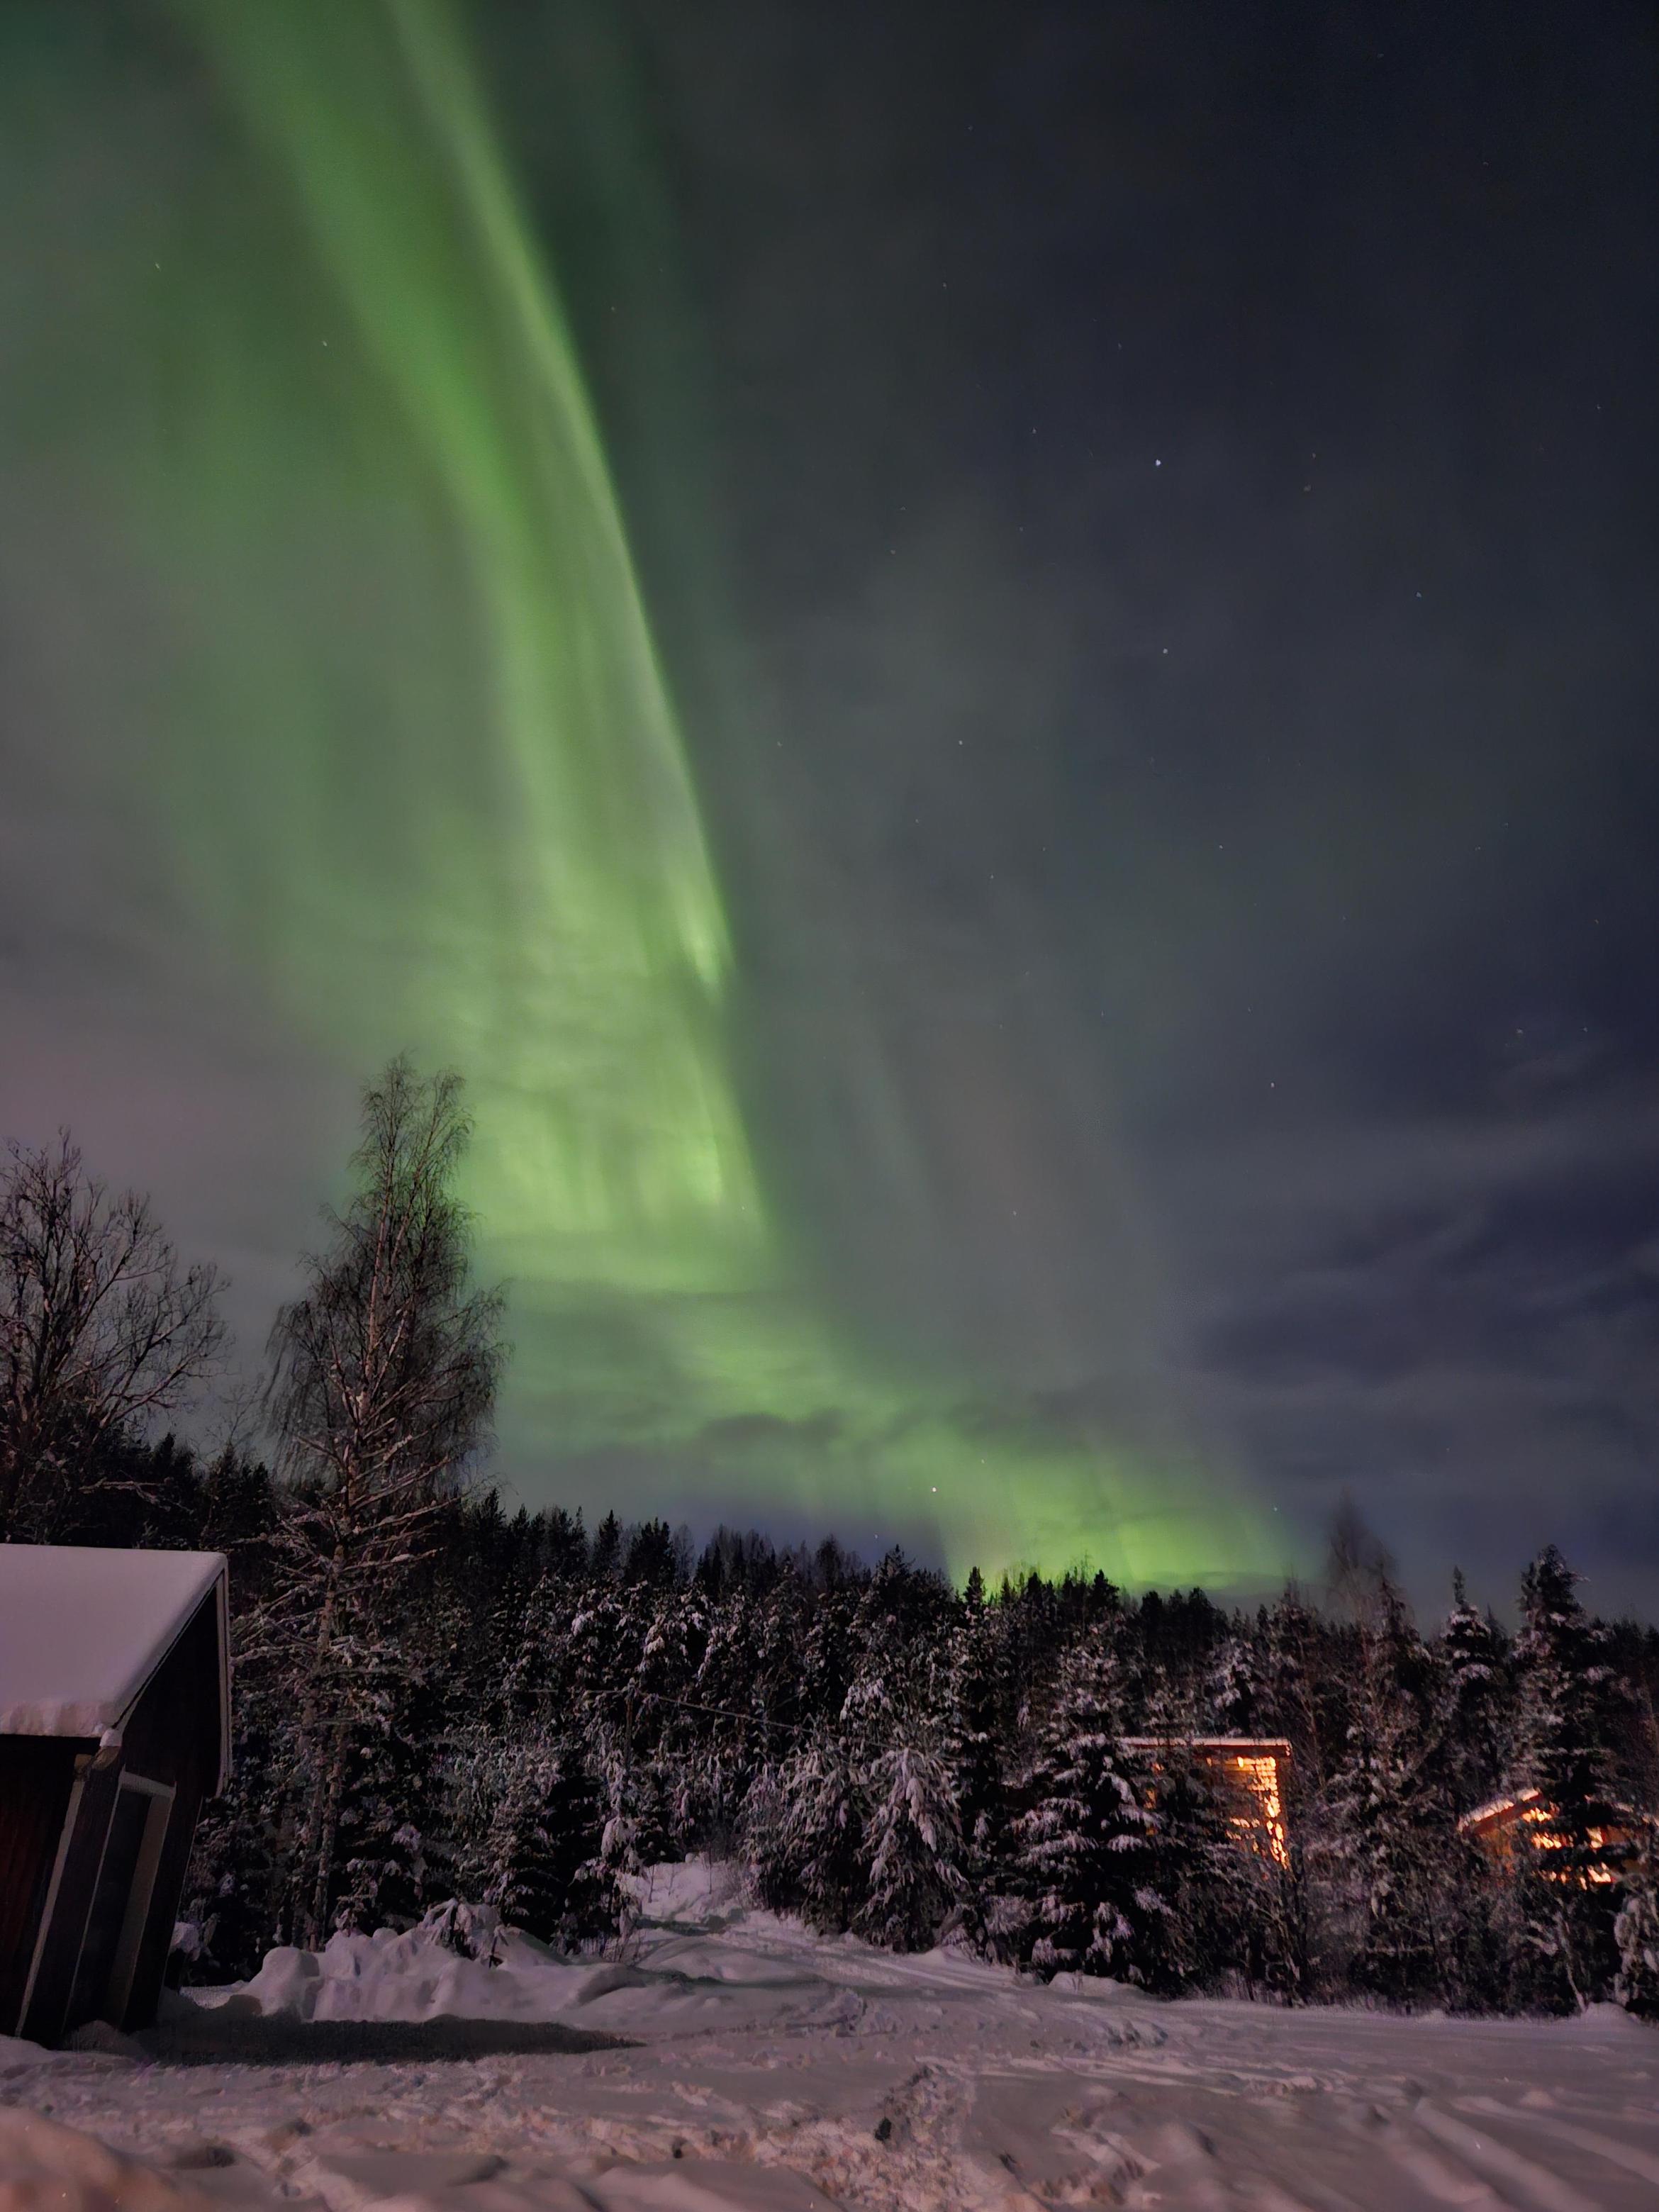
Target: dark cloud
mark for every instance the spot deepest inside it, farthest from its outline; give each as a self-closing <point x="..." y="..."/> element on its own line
<point x="1454" y="1320"/>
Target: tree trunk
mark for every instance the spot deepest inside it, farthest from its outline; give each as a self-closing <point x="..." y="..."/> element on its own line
<point x="315" y="1855"/>
<point x="331" y="1788"/>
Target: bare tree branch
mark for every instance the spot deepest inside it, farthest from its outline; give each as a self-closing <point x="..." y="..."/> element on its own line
<point x="99" y="1328"/>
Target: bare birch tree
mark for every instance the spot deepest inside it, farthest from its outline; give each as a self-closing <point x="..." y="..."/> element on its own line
<point x="100" y="1328"/>
<point x="383" y="1385"/>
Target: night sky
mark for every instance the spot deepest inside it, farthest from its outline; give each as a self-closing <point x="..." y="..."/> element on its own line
<point x="1051" y="911"/>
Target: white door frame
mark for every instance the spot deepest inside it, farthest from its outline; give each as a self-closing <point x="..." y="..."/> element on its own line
<point x="157" y="1821"/>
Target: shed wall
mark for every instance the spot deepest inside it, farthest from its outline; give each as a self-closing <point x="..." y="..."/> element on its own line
<point x="37" y="1774"/>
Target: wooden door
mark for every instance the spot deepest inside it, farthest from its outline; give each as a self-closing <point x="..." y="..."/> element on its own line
<point x="115" y="1926"/>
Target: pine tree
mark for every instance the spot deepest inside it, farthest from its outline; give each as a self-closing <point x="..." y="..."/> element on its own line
<point x="1084" y="1849"/>
<point x="606" y="1559"/>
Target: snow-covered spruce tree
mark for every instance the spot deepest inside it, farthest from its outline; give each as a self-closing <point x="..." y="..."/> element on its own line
<point x="820" y="1854"/>
<point x="908" y="1872"/>
<point x="810" y="1630"/>
<point x="1206" y="1871"/>
<point x="1477" y="1716"/>
<point x="1036" y="1642"/>
<point x="572" y="1688"/>
<point x="889" y="1685"/>
<point x="798" y="1655"/>
<point x="978" y="1696"/>
<point x="1197" y="1871"/>
<point x="599" y="1638"/>
<point x="915" y="1847"/>
<point x="731" y="1733"/>
<point x="1299" y="1685"/>
<point x="1238" y="1889"/>
<point x="1232" y="1687"/>
<point x="599" y="1904"/>
<point x="389" y="1816"/>
<point x="670" y="1738"/>
<point x="1258" y="1893"/>
<point x="764" y="1842"/>
<point x="492" y="1570"/>
<point x="570" y="1862"/>
<point x="494" y="1781"/>
<point x="383" y="1384"/>
<point x="526" y="1819"/>
<point x="802" y="1821"/>
<point x="1400" y="1867"/>
<point x="1636" y="1930"/>
<point x="238" y="1871"/>
<point x="979" y="1704"/>
<point x="1084" y="1856"/>
<point x="1565" y="1869"/>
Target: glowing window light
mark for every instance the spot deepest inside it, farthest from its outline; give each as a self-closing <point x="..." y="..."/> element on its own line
<point x="1260" y="1775"/>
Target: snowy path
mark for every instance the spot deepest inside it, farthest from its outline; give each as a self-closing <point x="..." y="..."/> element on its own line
<point x="776" y="2071"/>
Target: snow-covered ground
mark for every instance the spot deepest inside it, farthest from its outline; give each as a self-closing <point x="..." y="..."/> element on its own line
<point x="773" y="2069"/>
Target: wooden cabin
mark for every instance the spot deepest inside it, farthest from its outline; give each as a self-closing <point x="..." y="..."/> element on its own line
<point x="1253" y="1772"/>
<point x="114" y="1726"/>
<point x="1497" y="1827"/>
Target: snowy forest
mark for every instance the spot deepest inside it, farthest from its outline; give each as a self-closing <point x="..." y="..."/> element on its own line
<point x="538" y="1710"/>
<point x="438" y="1701"/>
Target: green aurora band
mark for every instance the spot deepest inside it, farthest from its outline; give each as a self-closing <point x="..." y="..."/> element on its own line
<point x="424" y="783"/>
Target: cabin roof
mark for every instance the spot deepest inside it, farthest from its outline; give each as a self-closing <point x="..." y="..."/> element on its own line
<point x="1499" y="1811"/>
<point x="1276" y="1747"/>
<point x="1481" y="1816"/>
<point x="83" y="1630"/>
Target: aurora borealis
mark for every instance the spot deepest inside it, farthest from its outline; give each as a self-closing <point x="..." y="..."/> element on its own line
<point x="814" y="1027"/>
<point x="421" y="773"/>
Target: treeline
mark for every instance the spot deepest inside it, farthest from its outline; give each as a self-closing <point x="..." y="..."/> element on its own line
<point x="553" y="1708"/>
<point x="436" y="1701"/>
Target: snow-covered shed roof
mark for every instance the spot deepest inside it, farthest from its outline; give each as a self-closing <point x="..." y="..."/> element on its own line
<point x="83" y="1630"/>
